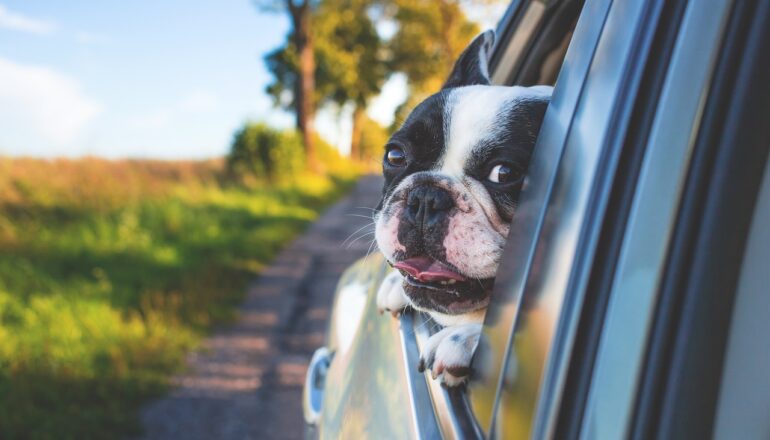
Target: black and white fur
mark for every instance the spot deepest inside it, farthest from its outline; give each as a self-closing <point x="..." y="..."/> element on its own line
<point x="443" y="203"/>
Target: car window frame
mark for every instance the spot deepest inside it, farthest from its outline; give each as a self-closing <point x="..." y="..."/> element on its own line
<point x="642" y="261"/>
<point x="693" y="316"/>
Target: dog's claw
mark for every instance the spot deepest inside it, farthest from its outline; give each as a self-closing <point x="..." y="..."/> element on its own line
<point x="448" y="354"/>
<point x="459" y="371"/>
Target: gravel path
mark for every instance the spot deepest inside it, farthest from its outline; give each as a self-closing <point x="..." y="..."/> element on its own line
<point x="247" y="380"/>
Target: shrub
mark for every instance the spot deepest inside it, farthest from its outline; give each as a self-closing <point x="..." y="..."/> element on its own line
<point x="260" y="152"/>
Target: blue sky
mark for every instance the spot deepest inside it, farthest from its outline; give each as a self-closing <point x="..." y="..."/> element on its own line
<point x="168" y="79"/>
<point x="163" y="79"/>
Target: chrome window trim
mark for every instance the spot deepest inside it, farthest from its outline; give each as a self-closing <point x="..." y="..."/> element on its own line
<point x="425" y="422"/>
<point x="612" y="394"/>
<point x="455" y="421"/>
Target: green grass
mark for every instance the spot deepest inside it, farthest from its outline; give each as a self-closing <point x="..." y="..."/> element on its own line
<point x="110" y="272"/>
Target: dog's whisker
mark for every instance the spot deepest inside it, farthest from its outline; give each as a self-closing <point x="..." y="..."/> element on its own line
<point x="425" y="323"/>
<point x="371" y="248"/>
<point x="358" y="238"/>
<point x="356" y="232"/>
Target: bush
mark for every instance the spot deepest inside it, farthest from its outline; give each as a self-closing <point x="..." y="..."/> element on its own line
<point x="260" y="152"/>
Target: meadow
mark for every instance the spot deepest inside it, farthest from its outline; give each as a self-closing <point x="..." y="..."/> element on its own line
<point x="111" y="271"/>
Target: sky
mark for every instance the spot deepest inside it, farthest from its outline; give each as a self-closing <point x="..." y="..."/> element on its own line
<point x="170" y="79"/>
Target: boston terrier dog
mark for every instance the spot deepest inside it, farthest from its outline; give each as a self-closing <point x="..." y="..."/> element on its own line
<point x="453" y="173"/>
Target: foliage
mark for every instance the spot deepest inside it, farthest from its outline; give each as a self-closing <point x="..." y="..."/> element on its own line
<point x="435" y="32"/>
<point x="352" y="60"/>
<point x="303" y="71"/>
<point x="348" y="52"/>
<point x="350" y="65"/>
<point x="111" y="271"/>
<point x="373" y="139"/>
<point x="260" y="152"/>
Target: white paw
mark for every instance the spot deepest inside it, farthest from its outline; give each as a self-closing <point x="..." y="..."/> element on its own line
<point x="448" y="353"/>
<point x="391" y="297"/>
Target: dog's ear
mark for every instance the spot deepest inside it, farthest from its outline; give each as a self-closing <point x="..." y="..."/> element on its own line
<point x="473" y="65"/>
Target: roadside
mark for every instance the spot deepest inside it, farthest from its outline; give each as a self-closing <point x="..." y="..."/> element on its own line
<point x="246" y="381"/>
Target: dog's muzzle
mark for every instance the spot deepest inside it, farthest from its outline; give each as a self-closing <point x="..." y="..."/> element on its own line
<point x="427" y="207"/>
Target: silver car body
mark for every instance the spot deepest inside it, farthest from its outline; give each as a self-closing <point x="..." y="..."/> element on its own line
<point x="364" y="383"/>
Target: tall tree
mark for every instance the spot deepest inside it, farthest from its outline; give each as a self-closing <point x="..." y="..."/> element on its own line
<point x="303" y="82"/>
<point x="348" y="52"/>
<point x="351" y="60"/>
<point x="430" y="36"/>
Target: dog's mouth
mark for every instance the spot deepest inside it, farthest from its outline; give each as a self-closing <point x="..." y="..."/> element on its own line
<point x="435" y="285"/>
<point x="428" y="272"/>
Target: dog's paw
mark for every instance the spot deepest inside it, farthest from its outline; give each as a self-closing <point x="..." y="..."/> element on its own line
<point x="390" y="296"/>
<point x="448" y="353"/>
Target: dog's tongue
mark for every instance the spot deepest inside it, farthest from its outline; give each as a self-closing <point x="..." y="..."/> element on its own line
<point x="427" y="269"/>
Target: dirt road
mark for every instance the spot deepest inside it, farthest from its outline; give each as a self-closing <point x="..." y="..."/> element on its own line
<point x="246" y="381"/>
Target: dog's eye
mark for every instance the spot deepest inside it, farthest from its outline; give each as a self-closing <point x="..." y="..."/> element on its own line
<point x="500" y="174"/>
<point x="395" y="156"/>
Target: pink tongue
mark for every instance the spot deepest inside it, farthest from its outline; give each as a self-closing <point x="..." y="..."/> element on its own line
<point x="427" y="269"/>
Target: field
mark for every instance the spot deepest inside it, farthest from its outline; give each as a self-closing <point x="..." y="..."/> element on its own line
<point x="110" y="272"/>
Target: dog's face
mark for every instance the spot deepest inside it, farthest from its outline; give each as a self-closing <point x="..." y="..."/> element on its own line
<point x="453" y="172"/>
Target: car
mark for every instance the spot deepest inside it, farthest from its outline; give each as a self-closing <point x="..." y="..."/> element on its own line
<point x="632" y="297"/>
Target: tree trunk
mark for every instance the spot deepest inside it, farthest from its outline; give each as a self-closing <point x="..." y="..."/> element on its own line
<point x="355" y="140"/>
<point x="305" y="87"/>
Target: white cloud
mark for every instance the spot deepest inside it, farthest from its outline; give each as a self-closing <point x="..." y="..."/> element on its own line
<point x="44" y="103"/>
<point x="18" y="22"/>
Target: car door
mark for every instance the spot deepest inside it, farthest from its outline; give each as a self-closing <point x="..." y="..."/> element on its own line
<point x="365" y="381"/>
<point x="617" y="327"/>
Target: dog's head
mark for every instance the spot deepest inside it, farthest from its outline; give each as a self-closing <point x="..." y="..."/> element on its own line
<point x="453" y="172"/>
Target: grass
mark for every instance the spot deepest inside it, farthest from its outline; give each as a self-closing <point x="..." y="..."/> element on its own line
<point x="110" y="272"/>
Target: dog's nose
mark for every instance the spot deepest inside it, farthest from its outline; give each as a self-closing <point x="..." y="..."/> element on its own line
<point x="427" y="205"/>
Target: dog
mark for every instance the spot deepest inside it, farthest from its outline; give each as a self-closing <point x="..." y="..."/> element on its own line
<point x="453" y="172"/>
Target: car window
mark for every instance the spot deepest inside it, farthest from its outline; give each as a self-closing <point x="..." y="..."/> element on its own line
<point x="553" y="251"/>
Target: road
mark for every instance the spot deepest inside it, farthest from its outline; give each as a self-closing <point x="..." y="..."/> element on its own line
<point x="246" y="380"/>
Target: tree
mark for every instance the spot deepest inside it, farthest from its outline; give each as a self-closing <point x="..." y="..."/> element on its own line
<point x="430" y="37"/>
<point x="350" y="67"/>
<point x="301" y="53"/>
<point x="351" y="64"/>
